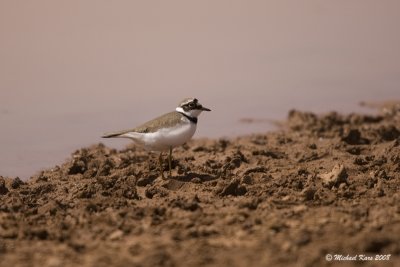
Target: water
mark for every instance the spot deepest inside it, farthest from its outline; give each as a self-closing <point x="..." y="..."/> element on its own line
<point x="73" y="70"/>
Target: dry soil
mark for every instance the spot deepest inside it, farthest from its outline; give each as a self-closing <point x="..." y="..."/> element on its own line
<point x="323" y="184"/>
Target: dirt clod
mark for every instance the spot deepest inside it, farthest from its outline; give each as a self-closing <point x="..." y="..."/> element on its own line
<point x="335" y="177"/>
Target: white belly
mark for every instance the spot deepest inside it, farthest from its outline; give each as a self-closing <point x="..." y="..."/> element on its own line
<point x="165" y="138"/>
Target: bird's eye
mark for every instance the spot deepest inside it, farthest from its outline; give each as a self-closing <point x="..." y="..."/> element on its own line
<point x="192" y="105"/>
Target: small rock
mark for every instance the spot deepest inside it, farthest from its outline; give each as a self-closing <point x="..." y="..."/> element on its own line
<point x="3" y="188"/>
<point x="353" y="137"/>
<point x="143" y="181"/>
<point x="335" y="177"/>
<point x="77" y="167"/>
<point x="151" y="191"/>
<point x="312" y="146"/>
<point x="233" y="188"/>
<point x="246" y="179"/>
<point x="308" y="193"/>
<point x="302" y="238"/>
<point x="16" y="183"/>
<point x="379" y="192"/>
<point x="389" y="133"/>
<point x="117" y="234"/>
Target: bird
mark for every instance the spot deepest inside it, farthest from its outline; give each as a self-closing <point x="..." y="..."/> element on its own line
<point x="166" y="131"/>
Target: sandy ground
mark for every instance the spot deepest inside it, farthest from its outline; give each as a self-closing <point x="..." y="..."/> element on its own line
<point x="324" y="184"/>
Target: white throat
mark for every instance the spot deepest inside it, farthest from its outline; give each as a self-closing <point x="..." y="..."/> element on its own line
<point x="191" y="113"/>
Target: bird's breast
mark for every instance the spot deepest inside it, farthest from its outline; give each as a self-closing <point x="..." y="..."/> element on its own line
<point x="167" y="137"/>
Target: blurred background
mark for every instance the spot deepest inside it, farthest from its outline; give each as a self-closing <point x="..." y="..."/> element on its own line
<point x="71" y="70"/>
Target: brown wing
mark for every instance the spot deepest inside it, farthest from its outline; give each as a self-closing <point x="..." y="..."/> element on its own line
<point x="164" y="121"/>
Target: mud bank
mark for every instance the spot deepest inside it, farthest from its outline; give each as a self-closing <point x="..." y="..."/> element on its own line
<point x="325" y="184"/>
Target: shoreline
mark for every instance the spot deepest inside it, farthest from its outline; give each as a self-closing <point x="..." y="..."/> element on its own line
<point x="33" y="155"/>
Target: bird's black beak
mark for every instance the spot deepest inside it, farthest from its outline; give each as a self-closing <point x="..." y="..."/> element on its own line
<point x="205" y="109"/>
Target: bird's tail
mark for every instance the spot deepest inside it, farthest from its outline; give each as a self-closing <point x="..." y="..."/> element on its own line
<point x="111" y="135"/>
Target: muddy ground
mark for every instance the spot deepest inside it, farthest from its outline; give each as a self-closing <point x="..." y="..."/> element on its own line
<point x="324" y="184"/>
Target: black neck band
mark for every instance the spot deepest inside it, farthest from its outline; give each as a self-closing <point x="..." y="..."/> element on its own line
<point x="192" y="119"/>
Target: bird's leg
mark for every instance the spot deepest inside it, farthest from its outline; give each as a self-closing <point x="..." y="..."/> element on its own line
<point x="161" y="166"/>
<point x="169" y="161"/>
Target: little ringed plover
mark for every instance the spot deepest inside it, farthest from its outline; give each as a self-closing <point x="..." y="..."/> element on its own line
<point x="167" y="131"/>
